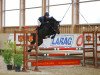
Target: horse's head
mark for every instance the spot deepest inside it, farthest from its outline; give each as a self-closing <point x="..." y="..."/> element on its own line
<point x="54" y="25"/>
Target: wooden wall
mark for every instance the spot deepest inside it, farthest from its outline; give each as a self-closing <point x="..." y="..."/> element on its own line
<point x="63" y="28"/>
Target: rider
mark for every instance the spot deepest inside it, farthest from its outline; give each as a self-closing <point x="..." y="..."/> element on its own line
<point x="43" y="20"/>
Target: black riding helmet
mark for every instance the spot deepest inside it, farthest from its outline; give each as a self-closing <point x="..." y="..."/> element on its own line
<point x="46" y="14"/>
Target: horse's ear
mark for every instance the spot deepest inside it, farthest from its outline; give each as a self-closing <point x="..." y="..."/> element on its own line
<point x="59" y="21"/>
<point x="51" y="18"/>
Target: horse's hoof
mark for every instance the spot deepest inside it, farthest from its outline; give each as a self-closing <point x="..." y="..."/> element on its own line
<point x="52" y="37"/>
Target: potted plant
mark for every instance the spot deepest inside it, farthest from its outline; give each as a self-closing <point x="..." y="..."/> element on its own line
<point x="18" y="61"/>
<point x="7" y="55"/>
<point x="18" y="58"/>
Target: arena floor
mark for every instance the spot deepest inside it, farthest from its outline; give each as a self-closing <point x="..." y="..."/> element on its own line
<point x="54" y="70"/>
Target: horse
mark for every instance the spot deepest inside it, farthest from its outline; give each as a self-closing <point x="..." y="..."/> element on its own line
<point x="46" y="30"/>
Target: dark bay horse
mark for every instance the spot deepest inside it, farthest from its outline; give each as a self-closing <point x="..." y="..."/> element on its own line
<point x="48" y="29"/>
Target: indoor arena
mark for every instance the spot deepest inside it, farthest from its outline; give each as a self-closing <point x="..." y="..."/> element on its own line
<point x="49" y="37"/>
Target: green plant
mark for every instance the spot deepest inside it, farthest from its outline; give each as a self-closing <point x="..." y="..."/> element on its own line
<point x="18" y="59"/>
<point x="7" y="55"/>
<point x="18" y="56"/>
<point x="8" y="51"/>
<point x="19" y="49"/>
<point x="10" y="45"/>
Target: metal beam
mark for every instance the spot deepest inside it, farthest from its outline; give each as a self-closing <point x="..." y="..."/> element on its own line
<point x="1" y="15"/>
<point x="43" y="6"/>
<point x="75" y="13"/>
<point x="22" y="13"/>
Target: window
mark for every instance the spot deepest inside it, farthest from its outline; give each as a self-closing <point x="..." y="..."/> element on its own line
<point x="58" y="11"/>
<point x="12" y="18"/>
<point x="54" y="2"/>
<point x="33" y="11"/>
<point x="90" y="11"/>
<point x="32" y="16"/>
<point x="11" y="13"/>
<point x="12" y="4"/>
<point x="84" y="0"/>
<point x="33" y="3"/>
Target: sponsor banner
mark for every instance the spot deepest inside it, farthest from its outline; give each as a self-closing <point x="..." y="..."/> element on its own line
<point x="64" y="40"/>
<point x="57" y="62"/>
<point x="60" y="40"/>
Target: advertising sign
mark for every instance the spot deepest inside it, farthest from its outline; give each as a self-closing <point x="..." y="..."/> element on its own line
<point x="60" y="40"/>
<point x="64" y="40"/>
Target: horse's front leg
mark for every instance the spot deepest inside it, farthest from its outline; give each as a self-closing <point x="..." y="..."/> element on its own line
<point x="53" y="36"/>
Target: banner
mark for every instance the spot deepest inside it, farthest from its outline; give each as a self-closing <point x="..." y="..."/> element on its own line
<point x="64" y="40"/>
<point x="57" y="62"/>
<point x="60" y="40"/>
